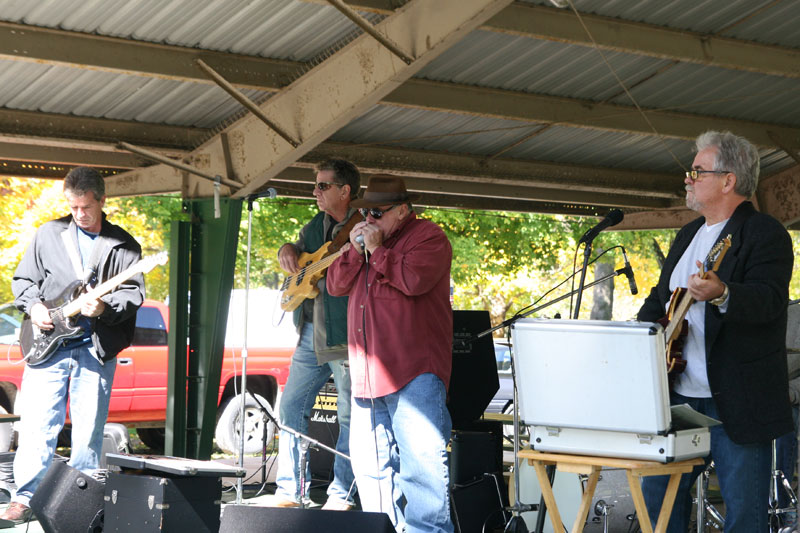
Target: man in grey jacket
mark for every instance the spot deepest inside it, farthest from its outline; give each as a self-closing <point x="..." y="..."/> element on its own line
<point x="82" y="246"/>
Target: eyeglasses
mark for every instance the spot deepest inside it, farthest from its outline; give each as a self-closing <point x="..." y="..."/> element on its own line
<point x="695" y="176"/>
<point x="325" y="185"/>
<point x="375" y="212"/>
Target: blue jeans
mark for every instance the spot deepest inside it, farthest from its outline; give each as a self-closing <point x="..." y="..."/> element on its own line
<point x="399" y="446"/>
<point x="306" y="378"/>
<point x="743" y="471"/>
<point x="42" y="405"/>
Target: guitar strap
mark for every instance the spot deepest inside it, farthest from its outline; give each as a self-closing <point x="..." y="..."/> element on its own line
<point x="344" y="234"/>
<point x="88" y="273"/>
<point x="72" y="252"/>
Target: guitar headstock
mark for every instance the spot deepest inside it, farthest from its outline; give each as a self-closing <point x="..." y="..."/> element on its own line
<point x="151" y="261"/>
<point x="717" y="253"/>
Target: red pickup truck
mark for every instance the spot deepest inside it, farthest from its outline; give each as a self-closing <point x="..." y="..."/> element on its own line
<point x="139" y="394"/>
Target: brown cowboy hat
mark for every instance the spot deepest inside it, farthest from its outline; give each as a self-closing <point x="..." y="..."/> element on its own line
<point x="383" y="189"/>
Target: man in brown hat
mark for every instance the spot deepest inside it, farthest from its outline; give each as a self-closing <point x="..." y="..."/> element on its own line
<point x="400" y="333"/>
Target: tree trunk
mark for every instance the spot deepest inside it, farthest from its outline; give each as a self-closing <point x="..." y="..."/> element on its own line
<point x="603" y="293"/>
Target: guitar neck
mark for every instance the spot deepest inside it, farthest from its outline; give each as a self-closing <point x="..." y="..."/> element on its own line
<point x="326" y="261"/>
<point x="74" y="307"/>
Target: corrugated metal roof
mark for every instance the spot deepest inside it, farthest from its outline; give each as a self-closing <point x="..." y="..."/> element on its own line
<point x="522" y="64"/>
<point x="741" y="19"/>
<point x="280" y="29"/>
<point x="307" y="32"/>
<point x="91" y="93"/>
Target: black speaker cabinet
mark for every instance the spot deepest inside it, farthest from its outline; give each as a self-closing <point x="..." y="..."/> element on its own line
<point x="146" y="503"/>
<point x="473" y="454"/>
<point x="251" y="519"/>
<point x="478" y="506"/>
<point x="324" y="427"/>
<point x="474" y="381"/>
<point x="68" y="501"/>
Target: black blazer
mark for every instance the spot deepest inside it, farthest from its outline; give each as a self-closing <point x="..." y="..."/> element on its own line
<point x="746" y="346"/>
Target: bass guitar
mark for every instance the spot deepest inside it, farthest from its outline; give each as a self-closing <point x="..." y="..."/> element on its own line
<point x="303" y="283"/>
<point x="39" y="344"/>
<point x="679" y="304"/>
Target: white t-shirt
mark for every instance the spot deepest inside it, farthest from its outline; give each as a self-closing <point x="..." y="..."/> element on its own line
<point x="693" y="382"/>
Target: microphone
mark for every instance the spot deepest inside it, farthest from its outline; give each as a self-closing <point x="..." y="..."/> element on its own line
<point x="270" y="193"/>
<point x="360" y="240"/>
<point x="629" y="274"/>
<point x="613" y="218"/>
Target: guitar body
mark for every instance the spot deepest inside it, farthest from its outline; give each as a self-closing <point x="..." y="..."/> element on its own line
<point x="676" y="327"/>
<point x="676" y="364"/>
<point x="303" y="284"/>
<point x="37" y="344"/>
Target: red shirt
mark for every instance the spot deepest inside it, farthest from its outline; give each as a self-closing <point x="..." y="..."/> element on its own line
<point x="402" y="303"/>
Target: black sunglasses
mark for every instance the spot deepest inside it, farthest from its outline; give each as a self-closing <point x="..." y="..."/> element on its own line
<point x="374" y="211"/>
<point x="325" y="185"/>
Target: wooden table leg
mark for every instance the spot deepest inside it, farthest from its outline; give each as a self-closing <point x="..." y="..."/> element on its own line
<point x="586" y="500"/>
<point x="547" y="494"/>
<point x="638" y="502"/>
<point x="668" y="503"/>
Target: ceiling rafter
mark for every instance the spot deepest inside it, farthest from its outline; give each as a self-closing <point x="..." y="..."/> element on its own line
<point x="21" y="42"/>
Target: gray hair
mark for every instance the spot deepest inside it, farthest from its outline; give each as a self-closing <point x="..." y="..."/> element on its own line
<point x="734" y="154"/>
<point x="81" y="180"/>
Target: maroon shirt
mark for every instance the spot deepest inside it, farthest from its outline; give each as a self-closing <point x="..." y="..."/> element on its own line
<point x="404" y="307"/>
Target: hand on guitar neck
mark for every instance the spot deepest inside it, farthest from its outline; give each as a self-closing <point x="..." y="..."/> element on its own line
<point x="704" y="286"/>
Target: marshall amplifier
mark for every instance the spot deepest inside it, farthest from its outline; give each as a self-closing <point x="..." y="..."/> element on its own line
<point x="324" y="427"/>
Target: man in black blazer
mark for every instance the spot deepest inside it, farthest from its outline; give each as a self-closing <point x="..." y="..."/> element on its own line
<point x="735" y="350"/>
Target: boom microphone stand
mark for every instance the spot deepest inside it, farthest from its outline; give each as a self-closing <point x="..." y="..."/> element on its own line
<point x="517" y="524"/>
<point x="305" y="442"/>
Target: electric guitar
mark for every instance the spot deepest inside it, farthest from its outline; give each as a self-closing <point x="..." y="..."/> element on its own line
<point x="39" y="344"/>
<point x="679" y="304"/>
<point x="303" y="283"/>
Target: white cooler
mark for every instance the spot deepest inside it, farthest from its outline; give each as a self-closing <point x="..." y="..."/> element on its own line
<point x="595" y="387"/>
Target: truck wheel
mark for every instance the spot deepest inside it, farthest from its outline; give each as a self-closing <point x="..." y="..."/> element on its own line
<point x="153" y="438"/>
<point x="7" y="434"/>
<point x="229" y="428"/>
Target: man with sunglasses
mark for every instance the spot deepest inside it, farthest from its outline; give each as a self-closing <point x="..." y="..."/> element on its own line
<point x="400" y="335"/>
<point x="322" y="348"/>
<point x="735" y="350"/>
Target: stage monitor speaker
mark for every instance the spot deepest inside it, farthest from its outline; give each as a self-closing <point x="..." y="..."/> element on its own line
<point x="474" y="381"/>
<point x="324" y="427"/>
<point x="68" y="501"/>
<point x="251" y="519"/>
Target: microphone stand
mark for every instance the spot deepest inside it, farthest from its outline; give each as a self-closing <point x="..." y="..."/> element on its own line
<point x="517" y="524"/>
<point x="269" y="193"/>
<point x="587" y="252"/>
<point x="506" y="323"/>
<point x="305" y="442"/>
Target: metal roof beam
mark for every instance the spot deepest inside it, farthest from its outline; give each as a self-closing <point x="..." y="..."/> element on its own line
<point x="334" y="92"/>
<point x="21" y="42"/>
<point x="511" y="172"/>
<point x="553" y="24"/>
<point x="514" y="105"/>
<point x="59" y="149"/>
<point x="30" y="43"/>
<point x="474" y="189"/>
<point x="293" y="190"/>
